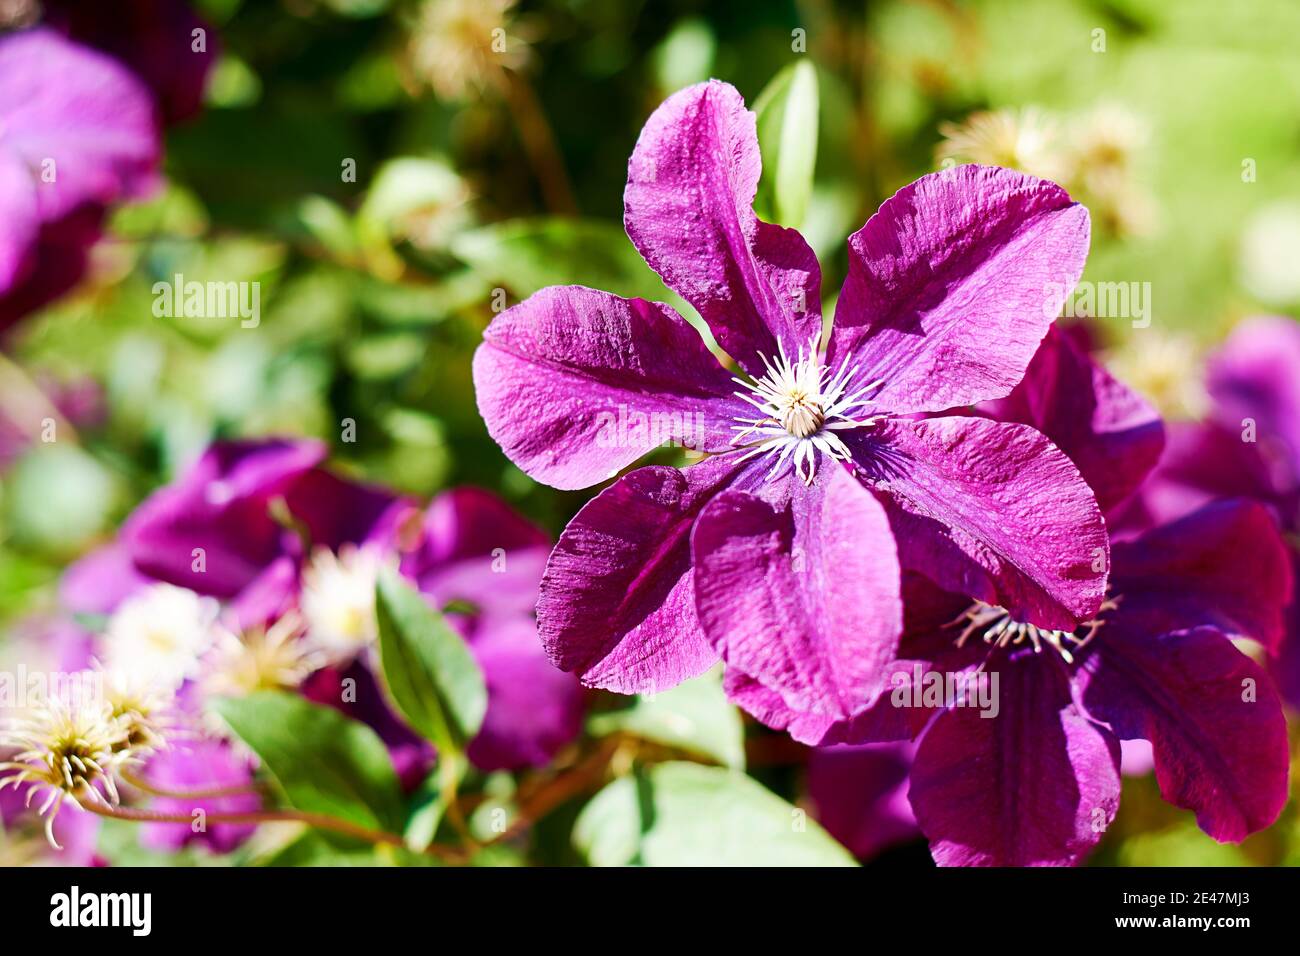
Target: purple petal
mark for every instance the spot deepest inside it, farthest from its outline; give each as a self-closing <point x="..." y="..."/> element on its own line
<point x="860" y="795"/>
<point x="576" y="384"/>
<point x="1111" y="434"/>
<point x="199" y="765"/>
<point x="1213" y="719"/>
<point x="1037" y="785"/>
<point x="533" y="709"/>
<point x="55" y="263"/>
<point x="64" y="102"/>
<point x="617" y="603"/>
<point x="689" y="210"/>
<point x="803" y="599"/>
<point x="991" y="510"/>
<point x="220" y="505"/>
<point x="1224" y="565"/>
<point x="927" y="644"/>
<point x="100" y="581"/>
<point x="1256" y="375"/>
<point x="20" y="216"/>
<point x="474" y="548"/>
<point x="953" y="283"/>
<point x="152" y="37"/>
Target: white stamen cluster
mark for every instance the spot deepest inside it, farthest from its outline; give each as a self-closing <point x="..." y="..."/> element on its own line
<point x="273" y="658"/>
<point x="802" y="403"/>
<point x="338" y="601"/>
<point x="70" y="749"/>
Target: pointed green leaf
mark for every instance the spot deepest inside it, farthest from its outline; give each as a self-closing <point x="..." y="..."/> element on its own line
<point x="323" y="761"/>
<point x="428" y="670"/>
<point x="787" y="138"/>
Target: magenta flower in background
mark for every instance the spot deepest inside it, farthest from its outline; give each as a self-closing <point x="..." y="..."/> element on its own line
<point x="77" y="134"/>
<point x="1249" y="446"/>
<point x="197" y="766"/>
<point x="781" y="553"/>
<point x="248" y="506"/>
<point x="154" y="38"/>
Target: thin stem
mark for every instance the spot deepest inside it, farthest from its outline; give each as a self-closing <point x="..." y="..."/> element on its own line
<point x="144" y="786"/>
<point x="582" y="777"/>
<point x="539" y="144"/>
<point x="317" y="820"/>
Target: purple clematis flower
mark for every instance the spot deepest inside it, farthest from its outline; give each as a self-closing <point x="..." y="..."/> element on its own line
<point x="233" y="526"/>
<point x="1029" y="773"/>
<point x="248" y="506"/>
<point x="77" y="133"/>
<point x="782" y="551"/>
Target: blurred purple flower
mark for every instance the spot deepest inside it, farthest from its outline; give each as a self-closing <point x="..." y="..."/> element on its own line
<point x="469" y="553"/>
<point x="77" y="134"/>
<point x="221" y="529"/>
<point x="196" y="766"/>
<point x="771" y="553"/>
<point x="154" y="38"/>
<point x="1248" y="447"/>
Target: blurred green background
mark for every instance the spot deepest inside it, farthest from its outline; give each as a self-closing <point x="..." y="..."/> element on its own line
<point x="482" y="175"/>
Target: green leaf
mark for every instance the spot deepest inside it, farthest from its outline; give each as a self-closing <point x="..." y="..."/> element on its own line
<point x="428" y="670"/>
<point x="525" y="255"/>
<point x="685" y="814"/>
<point x="787" y="138"/>
<point x="694" y="716"/>
<point x="323" y="761"/>
<point x="427" y="807"/>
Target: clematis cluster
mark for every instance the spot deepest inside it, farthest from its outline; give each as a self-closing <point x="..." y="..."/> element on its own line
<point x="782" y="552"/>
<point x="925" y="496"/>
<point x="257" y="570"/>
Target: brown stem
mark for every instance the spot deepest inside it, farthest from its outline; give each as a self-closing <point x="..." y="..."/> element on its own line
<point x="144" y="786"/>
<point x="318" y="820"/>
<point x="582" y="777"/>
<point x="539" y="144"/>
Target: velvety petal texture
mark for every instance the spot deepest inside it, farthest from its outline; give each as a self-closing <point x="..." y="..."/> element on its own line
<point x="617" y="604"/>
<point x="1213" y="719"/>
<point x="992" y="510"/>
<point x="1037" y="785"/>
<point x="953" y="284"/>
<point x="689" y="210"/>
<point x="1113" y="435"/>
<point x="802" y="598"/>
<point x="576" y="384"/>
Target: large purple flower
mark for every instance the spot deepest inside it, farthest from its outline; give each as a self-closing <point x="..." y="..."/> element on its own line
<point x="77" y="133"/>
<point x="1026" y="770"/>
<point x="781" y="552"/>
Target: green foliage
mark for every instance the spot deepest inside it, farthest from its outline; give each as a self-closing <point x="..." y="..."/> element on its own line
<point x="787" y="112"/>
<point x="322" y="761"/>
<point x="428" y="670"/>
<point x="683" y="814"/>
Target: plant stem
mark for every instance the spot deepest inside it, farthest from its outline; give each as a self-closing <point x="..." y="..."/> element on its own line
<point x="317" y="820"/>
<point x="144" y="786"/>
